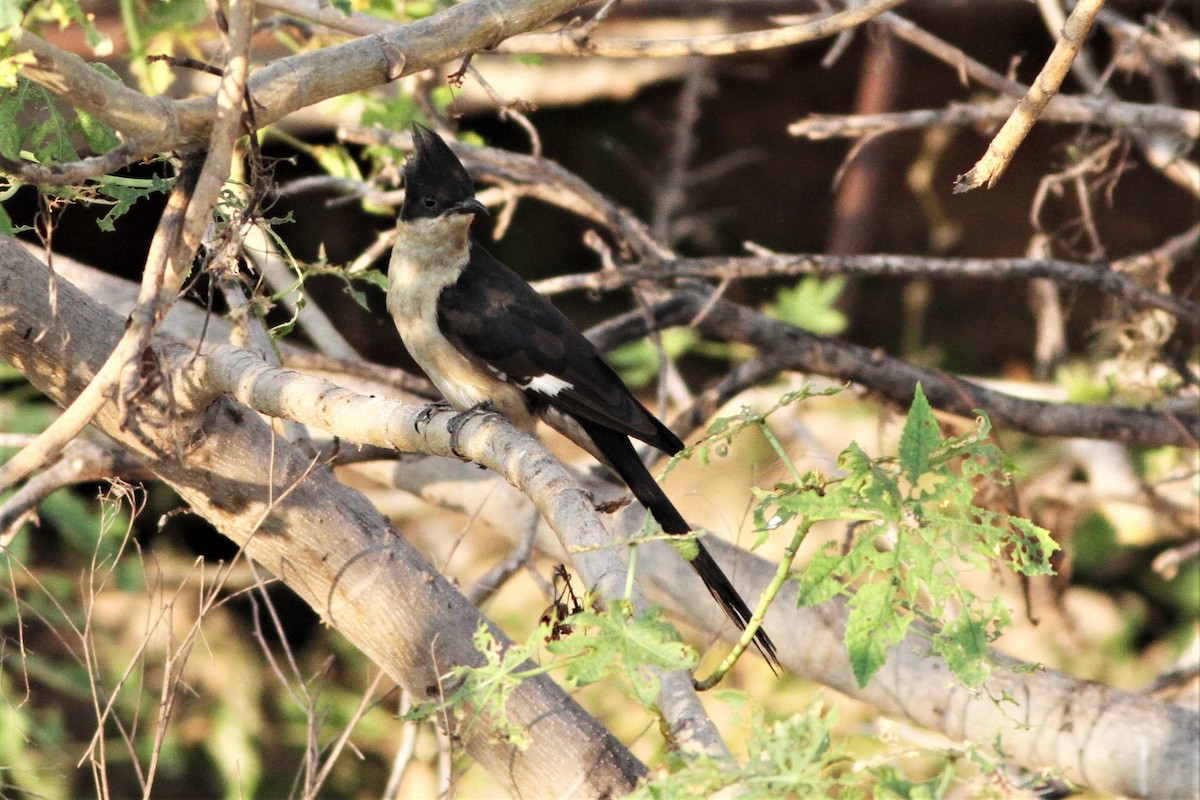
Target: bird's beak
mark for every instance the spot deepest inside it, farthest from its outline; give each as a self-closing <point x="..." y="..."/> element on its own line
<point x="470" y="206"/>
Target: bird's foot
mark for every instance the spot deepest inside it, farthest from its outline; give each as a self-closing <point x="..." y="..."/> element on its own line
<point x="427" y="413"/>
<point x="454" y="426"/>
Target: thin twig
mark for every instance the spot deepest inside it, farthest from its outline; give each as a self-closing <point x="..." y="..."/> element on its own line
<point x="789" y="264"/>
<point x="1004" y="146"/>
<point x="564" y="43"/>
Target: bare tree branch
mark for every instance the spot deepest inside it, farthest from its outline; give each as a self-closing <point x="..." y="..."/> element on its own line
<point x="791" y="348"/>
<point x="1067" y="273"/>
<point x="287" y="84"/>
<point x="176" y="243"/>
<point x="1003" y="147"/>
<point x="326" y="541"/>
<point x="565" y="43"/>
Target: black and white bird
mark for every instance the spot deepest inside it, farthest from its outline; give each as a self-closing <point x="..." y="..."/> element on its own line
<point x="487" y="339"/>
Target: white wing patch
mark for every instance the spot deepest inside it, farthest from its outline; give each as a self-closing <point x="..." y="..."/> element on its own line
<point x="548" y="385"/>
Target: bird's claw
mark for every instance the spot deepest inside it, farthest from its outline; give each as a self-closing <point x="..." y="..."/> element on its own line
<point x="427" y="413"/>
<point x="454" y="426"/>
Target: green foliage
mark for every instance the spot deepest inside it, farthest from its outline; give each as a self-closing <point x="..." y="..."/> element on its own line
<point x="796" y="756"/>
<point x="615" y="643"/>
<point x="638" y="361"/>
<point x="809" y="304"/>
<point x="10" y="14"/>
<point x="156" y="27"/>
<point x="31" y="122"/>
<point x="34" y="128"/>
<point x="619" y="643"/>
<point x="917" y="526"/>
<point x="395" y="113"/>
<point x="473" y="693"/>
<point x="124" y="192"/>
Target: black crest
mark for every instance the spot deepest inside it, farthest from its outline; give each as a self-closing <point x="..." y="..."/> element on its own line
<point x="435" y="181"/>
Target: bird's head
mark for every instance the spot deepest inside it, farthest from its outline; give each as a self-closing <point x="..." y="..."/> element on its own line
<point x="436" y="183"/>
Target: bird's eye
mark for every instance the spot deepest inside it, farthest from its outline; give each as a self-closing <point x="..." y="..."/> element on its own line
<point x="430" y="201"/>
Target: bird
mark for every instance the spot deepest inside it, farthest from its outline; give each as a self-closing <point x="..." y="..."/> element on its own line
<point x="488" y="340"/>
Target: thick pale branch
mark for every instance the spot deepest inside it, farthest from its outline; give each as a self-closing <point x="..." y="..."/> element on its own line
<point x="487" y="440"/>
<point x="123" y="109"/>
<point x="321" y="538"/>
<point x="578" y="41"/>
<point x="187" y="217"/>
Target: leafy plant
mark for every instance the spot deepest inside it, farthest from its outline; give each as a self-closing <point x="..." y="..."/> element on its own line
<point x="916" y="526"/>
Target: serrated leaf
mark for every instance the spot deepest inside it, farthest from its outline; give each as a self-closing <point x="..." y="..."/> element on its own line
<point x="870" y="628"/>
<point x="820" y="579"/>
<point x="963" y="644"/>
<point x="100" y="137"/>
<point x="10" y="140"/>
<point x="620" y="644"/>
<point x="919" y="439"/>
<point x="1032" y="547"/>
<point x="358" y="296"/>
<point x="687" y="547"/>
<point x="125" y="192"/>
<point x="374" y="277"/>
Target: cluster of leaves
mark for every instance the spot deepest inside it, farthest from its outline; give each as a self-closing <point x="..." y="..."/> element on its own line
<point x="916" y="526"/>
<point x="615" y="643"/>
<point x="800" y="756"/>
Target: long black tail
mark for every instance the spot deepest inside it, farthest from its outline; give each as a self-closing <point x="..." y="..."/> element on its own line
<point x="623" y="458"/>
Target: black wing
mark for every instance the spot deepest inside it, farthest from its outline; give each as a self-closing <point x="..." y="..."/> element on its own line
<point x="502" y="325"/>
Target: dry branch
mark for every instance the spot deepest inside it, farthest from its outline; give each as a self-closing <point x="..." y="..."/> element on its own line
<point x="175" y="245"/>
<point x="786" y="347"/>
<point x="567" y="43"/>
<point x="155" y="126"/>
<point x="326" y="541"/>
<point x="1002" y="148"/>
<point x="1067" y="273"/>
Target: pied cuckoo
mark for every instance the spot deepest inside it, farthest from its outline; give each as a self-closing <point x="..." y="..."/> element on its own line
<point x="487" y="339"/>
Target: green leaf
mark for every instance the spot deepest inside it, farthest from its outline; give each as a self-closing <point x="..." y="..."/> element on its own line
<point x="10" y="13"/>
<point x="870" y="628"/>
<point x="125" y="192"/>
<point x="810" y="305"/>
<point x="638" y="361"/>
<point x="337" y="162"/>
<point x="820" y="579"/>
<point x="920" y="438"/>
<point x="6" y="224"/>
<point x="10" y="106"/>
<point x="963" y="643"/>
<point x="100" y="137"/>
<point x="619" y="643"/>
